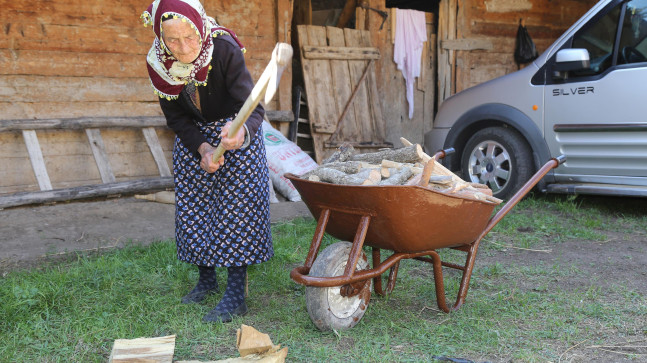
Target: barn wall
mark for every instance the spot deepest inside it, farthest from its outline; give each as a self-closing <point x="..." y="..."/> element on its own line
<point x="497" y="21"/>
<point x="390" y="82"/>
<point x="87" y="58"/>
<point x="74" y="58"/>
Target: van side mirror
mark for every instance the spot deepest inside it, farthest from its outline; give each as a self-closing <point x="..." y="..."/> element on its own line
<point x="575" y="59"/>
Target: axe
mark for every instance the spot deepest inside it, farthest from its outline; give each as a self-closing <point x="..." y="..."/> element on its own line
<point x="267" y="85"/>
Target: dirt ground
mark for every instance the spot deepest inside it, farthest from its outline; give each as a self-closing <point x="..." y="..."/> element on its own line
<point x="32" y="235"/>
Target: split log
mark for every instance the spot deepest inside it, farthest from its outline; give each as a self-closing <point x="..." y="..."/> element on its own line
<point x="343" y="153"/>
<point x="373" y="175"/>
<point x="348" y="167"/>
<point x="410" y="154"/>
<point x="399" y="178"/>
<point x="339" y="177"/>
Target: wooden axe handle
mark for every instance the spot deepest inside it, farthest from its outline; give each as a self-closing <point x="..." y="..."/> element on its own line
<point x="281" y="56"/>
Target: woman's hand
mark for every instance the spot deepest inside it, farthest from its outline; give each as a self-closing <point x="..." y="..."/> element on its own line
<point x="234" y="142"/>
<point x="206" y="151"/>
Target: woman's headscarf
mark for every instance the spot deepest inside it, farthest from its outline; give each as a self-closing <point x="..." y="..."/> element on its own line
<point x="167" y="74"/>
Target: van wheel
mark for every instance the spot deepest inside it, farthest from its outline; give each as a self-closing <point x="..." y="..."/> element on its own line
<point x="498" y="157"/>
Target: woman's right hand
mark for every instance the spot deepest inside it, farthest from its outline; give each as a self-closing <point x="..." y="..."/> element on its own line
<point x="206" y="162"/>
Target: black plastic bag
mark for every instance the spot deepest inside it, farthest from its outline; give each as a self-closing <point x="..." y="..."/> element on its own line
<point x="524" y="51"/>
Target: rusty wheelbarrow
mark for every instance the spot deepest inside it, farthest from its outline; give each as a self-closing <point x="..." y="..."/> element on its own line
<point x="411" y="221"/>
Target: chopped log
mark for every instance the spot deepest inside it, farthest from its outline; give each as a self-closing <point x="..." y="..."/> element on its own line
<point x="440" y="179"/>
<point x="348" y="167"/>
<point x="391" y="164"/>
<point x="343" y="153"/>
<point x="410" y="154"/>
<point x="152" y="350"/>
<point x="405" y="142"/>
<point x="426" y="173"/>
<point x="372" y="175"/>
<point x="338" y="177"/>
<point x="399" y="178"/>
<point x="160" y="197"/>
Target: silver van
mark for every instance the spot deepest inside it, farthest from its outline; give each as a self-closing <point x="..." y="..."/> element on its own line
<point x="584" y="97"/>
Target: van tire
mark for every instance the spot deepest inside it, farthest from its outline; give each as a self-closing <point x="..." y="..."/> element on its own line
<point x="499" y="157"/>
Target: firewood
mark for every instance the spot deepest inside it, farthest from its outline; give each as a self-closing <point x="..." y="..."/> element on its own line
<point x="390" y="164"/>
<point x="399" y="178"/>
<point x="370" y="175"/>
<point x="440" y="179"/>
<point x="410" y="154"/>
<point x="426" y="173"/>
<point x="348" y="167"/>
<point x="343" y="153"/>
<point x="338" y="177"/>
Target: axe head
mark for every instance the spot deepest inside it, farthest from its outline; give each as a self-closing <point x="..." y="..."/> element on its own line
<point x="281" y="57"/>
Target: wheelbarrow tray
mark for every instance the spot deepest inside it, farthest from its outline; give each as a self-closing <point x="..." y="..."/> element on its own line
<point x="402" y="218"/>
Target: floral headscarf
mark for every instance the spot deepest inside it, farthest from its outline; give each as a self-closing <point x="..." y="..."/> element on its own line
<point x="167" y="74"/>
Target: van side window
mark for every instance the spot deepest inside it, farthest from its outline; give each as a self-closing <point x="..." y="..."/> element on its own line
<point x="598" y="38"/>
<point x="633" y="43"/>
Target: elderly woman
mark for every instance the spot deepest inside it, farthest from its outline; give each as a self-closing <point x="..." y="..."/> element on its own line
<point x="222" y="208"/>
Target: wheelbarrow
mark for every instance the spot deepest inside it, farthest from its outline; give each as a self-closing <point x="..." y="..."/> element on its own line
<point x="411" y="221"/>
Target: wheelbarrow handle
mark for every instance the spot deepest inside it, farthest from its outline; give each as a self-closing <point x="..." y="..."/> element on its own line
<point x="442" y="153"/>
<point x="516" y="198"/>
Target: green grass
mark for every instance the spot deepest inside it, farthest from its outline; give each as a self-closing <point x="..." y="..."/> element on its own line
<point x="73" y="311"/>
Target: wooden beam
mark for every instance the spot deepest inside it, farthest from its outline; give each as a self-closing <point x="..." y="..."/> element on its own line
<point x="86" y="191"/>
<point x="340" y="53"/>
<point x="347" y="13"/>
<point x="156" y="149"/>
<point x="100" y="155"/>
<point x="80" y="123"/>
<point x="36" y="158"/>
<point x="280" y="116"/>
<point x="466" y="44"/>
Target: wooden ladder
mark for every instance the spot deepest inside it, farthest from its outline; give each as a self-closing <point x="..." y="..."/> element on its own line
<point x="92" y="127"/>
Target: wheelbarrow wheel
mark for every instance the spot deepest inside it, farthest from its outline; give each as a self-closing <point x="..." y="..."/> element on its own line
<point x="326" y="306"/>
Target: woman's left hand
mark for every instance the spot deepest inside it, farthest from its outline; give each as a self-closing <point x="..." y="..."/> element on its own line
<point x="231" y="143"/>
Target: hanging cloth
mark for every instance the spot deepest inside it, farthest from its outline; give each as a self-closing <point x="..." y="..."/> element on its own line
<point x="410" y="34"/>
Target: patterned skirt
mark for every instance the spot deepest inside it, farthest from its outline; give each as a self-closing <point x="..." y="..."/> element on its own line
<point x="222" y="219"/>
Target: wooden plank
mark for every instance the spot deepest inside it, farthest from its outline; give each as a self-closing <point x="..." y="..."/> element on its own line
<point x="79" y="123"/>
<point x="345" y="129"/>
<point x="32" y="88"/>
<point x="100" y="155"/>
<point x="466" y="44"/>
<point x="86" y="191"/>
<point x="376" y="118"/>
<point x="80" y="64"/>
<point x="156" y="150"/>
<point x="36" y="158"/>
<point x="341" y="53"/>
<point x="152" y="350"/>
<point x="360" y="105"/>
<point x="280" y="115"/>
<point x="48" y="110"/>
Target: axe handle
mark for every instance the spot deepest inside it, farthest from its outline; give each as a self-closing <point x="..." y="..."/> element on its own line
<point x="275" y="67"/>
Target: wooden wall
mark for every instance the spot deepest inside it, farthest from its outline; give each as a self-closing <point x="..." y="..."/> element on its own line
<point x="391" y="84"/>
<point x="87" y="58"/>
<point x="497" y="21"/>
<point x="468" y="24"/>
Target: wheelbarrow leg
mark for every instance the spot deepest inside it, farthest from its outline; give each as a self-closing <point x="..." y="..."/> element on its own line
<point x="317" y="238"/>
<point x="377" y="281"/>
<point x="465" y="279"/>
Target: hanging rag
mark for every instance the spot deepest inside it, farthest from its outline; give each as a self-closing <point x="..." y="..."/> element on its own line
<point x="410" y="34"/>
